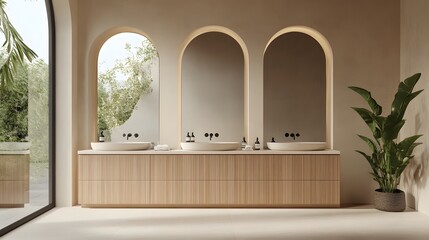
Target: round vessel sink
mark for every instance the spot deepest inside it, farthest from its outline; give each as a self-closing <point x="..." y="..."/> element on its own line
<point x="297" y="146"/>
<point x="210" y="146"/>
<point x="120" y="146"/>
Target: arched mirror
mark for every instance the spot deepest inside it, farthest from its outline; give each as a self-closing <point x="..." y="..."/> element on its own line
<point x="213" y="88"/>
<point x="128" y="89"/>
<point x="294" y="89"/>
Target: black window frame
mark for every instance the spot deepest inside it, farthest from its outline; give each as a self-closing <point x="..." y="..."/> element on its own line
<point x="51" y="204"/>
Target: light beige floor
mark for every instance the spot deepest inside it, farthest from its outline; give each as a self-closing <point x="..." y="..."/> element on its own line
<point x="298" y="224"/>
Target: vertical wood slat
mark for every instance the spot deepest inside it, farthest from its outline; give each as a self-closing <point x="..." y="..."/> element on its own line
<point x="321" y="193"/>
<point x="226" y="167"/>
<point x="14" y="167"/>
<point x="226" y="192"/>
<point x="210" y="180"/>
<point x="319" y="168"/>
<point x="114" y="192"/>
<point x="14" y="179"/>
<point x="114" y="167"/>
<point x="13" y="192"/>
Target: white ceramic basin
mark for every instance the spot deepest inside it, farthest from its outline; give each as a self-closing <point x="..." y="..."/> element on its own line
<point x="210" y="146"/>
<point x="297" y="146"/>
<point x="120" y="146"/>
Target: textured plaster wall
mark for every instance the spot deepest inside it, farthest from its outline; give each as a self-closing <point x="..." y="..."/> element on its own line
<point x="364" y="36"/>
<point x="415" y="58"/>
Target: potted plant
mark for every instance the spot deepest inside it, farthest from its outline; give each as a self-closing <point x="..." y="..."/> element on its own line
<point x="389" y="157"/>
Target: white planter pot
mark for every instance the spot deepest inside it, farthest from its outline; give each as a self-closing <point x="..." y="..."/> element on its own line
<point x="14" y="146"/>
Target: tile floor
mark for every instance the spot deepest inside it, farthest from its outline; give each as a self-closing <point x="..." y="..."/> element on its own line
<point x="361" y="222"/>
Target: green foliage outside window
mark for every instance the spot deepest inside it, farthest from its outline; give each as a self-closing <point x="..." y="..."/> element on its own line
<point x="117" y="98"/>
<point x="14" y="108"/>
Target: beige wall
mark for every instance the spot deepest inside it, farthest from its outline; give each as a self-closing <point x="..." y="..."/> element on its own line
<point x="364" y="36"/>
<point x="415" y="58"/>
<point x="295" y="89"/>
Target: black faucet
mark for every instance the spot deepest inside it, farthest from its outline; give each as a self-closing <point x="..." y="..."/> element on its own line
<point x="292" y="135"/>
<point x="136" y="135"/>
<point x="211" y="135"/>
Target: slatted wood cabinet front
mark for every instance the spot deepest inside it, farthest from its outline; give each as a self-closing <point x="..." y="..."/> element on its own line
<point x="209" y="180"/>
<point x="14" y="180"/>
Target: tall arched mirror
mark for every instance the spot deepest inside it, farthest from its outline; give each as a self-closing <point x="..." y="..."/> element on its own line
<point x="213" y="88"/>
<point x="128" y="89"/>
<point x="294" y="89"/>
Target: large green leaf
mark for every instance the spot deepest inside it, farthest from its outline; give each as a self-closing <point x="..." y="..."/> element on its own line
<point x="368" y="118"/>
<point x="409" y="142"/>
<point x="404" y="96"/>
<point x="376" y="109"/>
<point x="391" y="128"/>
<point x="403" y="99"/>
<point x="411" y="149"/>
<point x="17" y="50"/>
<point x="372" y="145"/>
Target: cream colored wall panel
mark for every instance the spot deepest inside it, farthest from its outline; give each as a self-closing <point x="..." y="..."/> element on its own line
<point x="114" y="167"/>
<point x="114" y="192"/>
<point x="321" y="193"/>
<point x="326" y="167"/>
<point x="414" y="59"/>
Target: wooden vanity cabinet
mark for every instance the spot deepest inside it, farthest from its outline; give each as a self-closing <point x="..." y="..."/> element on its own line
<point x="209" y="180"/>
<point x="14" y="180"/>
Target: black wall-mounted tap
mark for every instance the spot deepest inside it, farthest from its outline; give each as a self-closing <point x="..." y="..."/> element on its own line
<point x="292" y="135"/>
<point x="136" y="135"/>
<point x="211" y="135"/>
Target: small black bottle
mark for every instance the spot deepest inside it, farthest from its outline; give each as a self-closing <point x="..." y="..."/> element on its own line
<point x="188" y="138"/>
<point x="101" y="138"/>
<point x="272" y="140"/>
<point x="257" y="144"/>
<point x="243" y="143"/>
<point x="192" y="137"/>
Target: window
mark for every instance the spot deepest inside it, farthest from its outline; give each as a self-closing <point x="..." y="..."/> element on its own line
<point x="26" y="113"/>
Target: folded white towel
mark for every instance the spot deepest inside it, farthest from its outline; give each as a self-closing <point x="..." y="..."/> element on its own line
<point x="160" y="147"/>
<point x="248" y="148"/>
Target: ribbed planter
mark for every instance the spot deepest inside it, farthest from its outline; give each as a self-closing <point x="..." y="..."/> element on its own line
<point x="389" y="202"/>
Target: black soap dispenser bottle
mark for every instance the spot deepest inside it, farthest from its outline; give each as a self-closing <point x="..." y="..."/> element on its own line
<point x="188" y="138"/>
<point x="257" y="144"/>
<point x="101" y="138"/>
<point x="243" y="143"/>
<point x="192" y="137"/>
